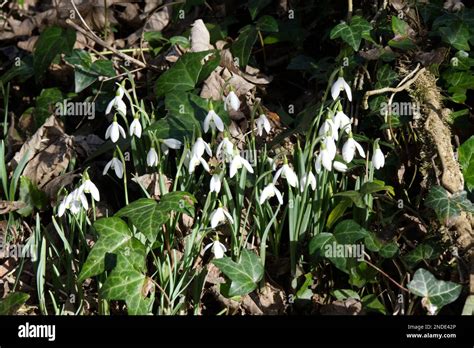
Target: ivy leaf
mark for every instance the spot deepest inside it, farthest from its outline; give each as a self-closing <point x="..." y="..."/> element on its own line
<point x="371" y="303"/>
<point x="10" y="304"/>
<point x="242" y="47"/>
<point x="447" y="206"/>
<point x="128" y="284"/>
<point x="466" y="159"/>
<point x="255" y="6"/>
<point x="457" y="35"/>
<point x="267" y="24"/>
<point x="353" y="33"/>
<point x="52" y="41"/>
<point x="349" y="232"/>
<point x="244" y="275"/>
<point x="437" y="292"/>
<point x="182" y="76"/>
<point x="178" y="201"/>
<point x="114" y="236"/>
<point x="146" y="215"/>
<point x="389" y="250"/>
<point x="31" y="195"/>
<point x="422" y="252"/>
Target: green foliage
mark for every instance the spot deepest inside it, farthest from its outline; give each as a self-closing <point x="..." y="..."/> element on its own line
<point x="10" y="304"/>
<point x="182" y="76"/>
<point x="447" y="206"/>
<point x="242" y="47"/>
<point x="244" y="275"/>
<point x="52" y="41"/>
<point x="437" y="292"/>
<point x="466" y="159"/>
<point x="354" y="32"/>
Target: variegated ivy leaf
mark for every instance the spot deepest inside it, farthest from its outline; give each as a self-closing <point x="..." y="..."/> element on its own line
<point x="436" y="293"/>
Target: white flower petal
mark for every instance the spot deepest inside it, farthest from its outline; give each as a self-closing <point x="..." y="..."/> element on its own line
<point x="339" y="166"/>
<point x="173" y="143"/>
<point x="215" y="184"/>
<point x="107" y="167"/>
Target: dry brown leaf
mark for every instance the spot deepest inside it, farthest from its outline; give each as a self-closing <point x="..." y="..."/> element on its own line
<point x="158" y="20"/>
<point x="86" y="145"/>
<point x="48" y="152"/>
<point x="9" y="206"/>
<point x="200" y="37"/>
<point x="269" y="300"/>
<point x="351" y="306"/>
<point x="29" y="44"/>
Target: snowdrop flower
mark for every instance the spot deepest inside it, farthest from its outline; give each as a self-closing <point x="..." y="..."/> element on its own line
<point x="340" y="85"/>
<point x="117" y="102"/>
<point x="225" y="149"/>
<point x="116" y="165"/>
<point x="136" y="127"/>
<point x="232" y="101"/>
<point x="308" y="179"/>
<point x="287" y="173"/>
<point x="325" y="157"/>
<point x="220" y="215"/>
<point x="199" y="147"/>
<point x="78" y="201"/>
<point x="237" y="163"/>
<point x="214" y="121"/>
<point x="262" y="123"/>
<point x="215" y="184"/>
<point x="339" y="166"/>
<point x="342" y="121"/>
<point x="89" y="187"/>
<point x="330" y="145"/>
<point x="196" y="155"/>
<point x="170" y="143"/>
<point x="329" y="128"/>
<point x="195" y="161"/>
<point x="152" y="158"/>
<point x="218" y="249"/>
<point x="114" y="131"/>
<point x="74" y="202"/>
<point x="378" y="158"/>
<point x="349" y="148"/>
<point x="270" y="191"/>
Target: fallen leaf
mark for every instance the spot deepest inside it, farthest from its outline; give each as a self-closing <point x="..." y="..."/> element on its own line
<point x="200" y="37"/>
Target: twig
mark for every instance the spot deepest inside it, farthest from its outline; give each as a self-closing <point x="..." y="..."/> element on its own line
<point x="106" y="45"/>
<point x="407" y="84"/>
<point x="386" y="276"/>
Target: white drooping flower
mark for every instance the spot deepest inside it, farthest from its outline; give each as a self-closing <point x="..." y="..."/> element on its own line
<point x="136" y="128"/>
<point x="117" y="102"/>
<point x="270" y="191"/>
<point x="326" y="155"/>
<point x="378" y="158"/>
<point x="196" y="155"/>
<point x="287" y="173"/>
<point x="213" y="121"/>
<point x="74" y="202"/>
<point x="340" y="85"/>
<point x="116" y="165"/>
<point x="349" y="148"/>
<point x="232" y="102"/>
<point x="272" y="163"/>
<point x="215" y="184"/>
<point x="170" y="143"/>
<point x="225" y="150"/>
<point x="262" y="123"/>
<point x="238" y="162"/>
<point x="199" y="147"/>
<point x="308" y="179"/>
<point x="152" y="158"/>
<point x="220" y="215"/>
<point x="330" y="146"/>
<point x="218" y="249"/>
<point x="195" y="161"/>
<point x="328" y="128"/>
<point x="89" y="187"/>
<point x="114" y="131"/>
<point x="339" y="166"/>
<point x="342" y="121"/>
